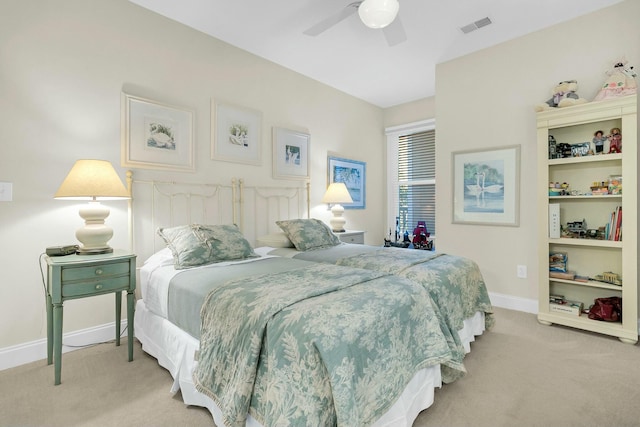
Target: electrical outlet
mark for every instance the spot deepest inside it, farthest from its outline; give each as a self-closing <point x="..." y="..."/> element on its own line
<point x="6" y="191"/>
<point x="522" y="271"/>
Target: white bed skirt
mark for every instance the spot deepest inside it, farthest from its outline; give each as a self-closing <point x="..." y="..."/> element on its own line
<point x="175" y="351"/>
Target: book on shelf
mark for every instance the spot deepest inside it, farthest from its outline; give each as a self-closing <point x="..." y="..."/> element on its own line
<point x="613" y="229"/>
<point x="566" y="275"/>
<point x="554" y="220"/>
<point x="558" y="261"/>
<point x="567" y="307"/>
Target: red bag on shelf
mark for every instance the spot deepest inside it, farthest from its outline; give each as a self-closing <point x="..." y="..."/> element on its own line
<point x="606" y="309"/>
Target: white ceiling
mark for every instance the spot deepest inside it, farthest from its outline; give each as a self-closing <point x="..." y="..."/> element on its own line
<point x="356" y="59"/>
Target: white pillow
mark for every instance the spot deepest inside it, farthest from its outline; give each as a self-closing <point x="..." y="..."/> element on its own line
<point x="159" y="259"/>
<point x="275" y="240"/>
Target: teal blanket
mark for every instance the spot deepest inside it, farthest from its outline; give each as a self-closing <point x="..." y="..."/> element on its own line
<point x="454" y="283"/>
<point x="322" y="345"/>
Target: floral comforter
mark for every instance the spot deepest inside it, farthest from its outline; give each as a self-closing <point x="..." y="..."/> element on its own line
<point x="321" y="345"/>
<point x="454" y="283"/>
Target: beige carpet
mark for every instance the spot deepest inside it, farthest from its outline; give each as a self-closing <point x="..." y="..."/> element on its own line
<point x="520" y="374"/>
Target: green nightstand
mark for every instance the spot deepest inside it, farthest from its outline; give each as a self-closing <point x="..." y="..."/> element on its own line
<point x="81" y="276"/>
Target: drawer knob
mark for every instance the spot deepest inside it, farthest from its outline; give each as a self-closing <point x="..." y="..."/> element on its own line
<point x="98" y="271"/>
<point x="99" y="286"/>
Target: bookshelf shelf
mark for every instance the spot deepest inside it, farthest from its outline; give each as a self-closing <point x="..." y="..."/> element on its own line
<point x="587" y="242"/>
<point x="590" y="283"/>
<point x="590" y="257"/>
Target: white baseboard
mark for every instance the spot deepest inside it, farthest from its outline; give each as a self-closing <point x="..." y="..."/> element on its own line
<point x="37" y="350"/>
<point x="514" y="303"/>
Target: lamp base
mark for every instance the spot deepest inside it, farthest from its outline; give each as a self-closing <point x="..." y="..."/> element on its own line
<point x="337" y="227"/>
<point x="95" y="234"/>
<point x="107" y="250"/>
<point x="337" y="221"/>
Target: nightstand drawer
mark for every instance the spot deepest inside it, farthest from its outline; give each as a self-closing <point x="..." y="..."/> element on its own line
<point x="351" y="236"/>
<point x="94" y="286"/>
<point x="95" y="272"/>
<point x="358" y="239"/>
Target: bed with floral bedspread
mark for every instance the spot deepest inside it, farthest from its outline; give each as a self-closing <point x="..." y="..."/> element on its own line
<point x="315" y="345"/>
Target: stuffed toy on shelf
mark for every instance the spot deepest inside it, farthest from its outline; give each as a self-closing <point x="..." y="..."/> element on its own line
<point x="564" y="95"/>
<point x="620" y="82"/>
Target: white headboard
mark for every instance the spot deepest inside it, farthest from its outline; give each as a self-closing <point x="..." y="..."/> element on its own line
<point x="255" y="209"/>
<point x="156" y="204"/>
<point x="261" y="206"/>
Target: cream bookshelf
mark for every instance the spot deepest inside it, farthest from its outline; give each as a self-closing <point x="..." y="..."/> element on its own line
<point x="589" y="257"/>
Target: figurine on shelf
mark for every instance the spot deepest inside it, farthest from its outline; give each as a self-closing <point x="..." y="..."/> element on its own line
<point x="615" y="141"/>
<point x="552" y="147"/>
<point x="598" y="141"/>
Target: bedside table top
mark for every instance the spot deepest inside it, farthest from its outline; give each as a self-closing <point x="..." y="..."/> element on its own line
<point x="348" y="232"/>
<point x="79" y="259"/>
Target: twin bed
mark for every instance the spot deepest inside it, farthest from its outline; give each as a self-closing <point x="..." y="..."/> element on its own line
<point x="314" y="333"/>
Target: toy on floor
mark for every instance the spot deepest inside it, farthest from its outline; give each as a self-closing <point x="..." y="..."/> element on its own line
<point x="620" y="82"/>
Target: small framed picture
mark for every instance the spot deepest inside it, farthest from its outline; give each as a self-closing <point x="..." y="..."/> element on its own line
<point x="352" y="173"/>
<point x="290" y="154"/>
<point x="156" y="135"/>
<point x="236" y="134"/>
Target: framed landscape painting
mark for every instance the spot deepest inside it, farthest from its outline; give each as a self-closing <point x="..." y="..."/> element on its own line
<point x="486" y="186"/>
<point x="353" y="174"/>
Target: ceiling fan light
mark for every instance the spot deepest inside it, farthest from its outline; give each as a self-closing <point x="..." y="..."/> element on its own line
<point x="378" y="13"/>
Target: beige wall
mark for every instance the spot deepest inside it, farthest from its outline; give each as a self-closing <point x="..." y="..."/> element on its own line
<point x="62" y="68"/>
<point x="410" y="112"/>
<point x="487" y="99"/>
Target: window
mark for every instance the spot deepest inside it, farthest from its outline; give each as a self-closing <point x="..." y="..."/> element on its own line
<point x="411" y="153"/>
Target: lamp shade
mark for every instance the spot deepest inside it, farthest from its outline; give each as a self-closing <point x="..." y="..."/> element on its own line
<point x="92" y="179"/>
<point x="378" y="13"/>
<point x="337" y="193"/>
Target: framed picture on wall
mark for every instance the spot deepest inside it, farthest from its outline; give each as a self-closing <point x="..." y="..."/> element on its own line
<point x="236" y="134"/>
<point x="290" y="154"/>
<point x="486" y="186"/>
<point x="353" y="174"/>
<point x="156" y="135"/>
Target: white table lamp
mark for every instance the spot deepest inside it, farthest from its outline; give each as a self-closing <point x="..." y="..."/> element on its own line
<point x="336" y="194"/>
<point x="93" y="180"/>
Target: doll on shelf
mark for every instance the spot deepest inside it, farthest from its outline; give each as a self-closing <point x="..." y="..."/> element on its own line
<point x="598" y="142"/>
<point x="615" y="141"/>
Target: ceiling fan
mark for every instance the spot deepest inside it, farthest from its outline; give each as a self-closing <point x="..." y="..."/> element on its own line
<point x="381" y="14"/>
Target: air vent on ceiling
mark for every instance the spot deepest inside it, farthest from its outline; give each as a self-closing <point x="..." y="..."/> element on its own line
<point x="475" y="25"/>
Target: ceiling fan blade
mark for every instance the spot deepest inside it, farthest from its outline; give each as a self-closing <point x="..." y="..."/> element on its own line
<point x="394" y="32"/>
<point x="332" y="20"/>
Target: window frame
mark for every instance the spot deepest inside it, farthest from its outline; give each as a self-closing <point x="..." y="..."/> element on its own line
<point x="393" y="134"/>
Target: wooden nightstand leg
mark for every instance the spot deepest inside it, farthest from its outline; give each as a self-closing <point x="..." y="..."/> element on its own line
<point x="49" y="330"/>
<point x="57" y="342"/>
<point x="118" y="314"/>
<point x="131" y="300"/>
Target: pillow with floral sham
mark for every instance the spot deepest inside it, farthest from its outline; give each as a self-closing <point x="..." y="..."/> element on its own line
<point x="308" y="234"/>
<point x="194" y="245"/>
<point x="187" y="248"/>
<point x="226" y="242"/>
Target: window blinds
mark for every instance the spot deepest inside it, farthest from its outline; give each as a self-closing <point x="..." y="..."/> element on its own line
<point x="416" y="179"/>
